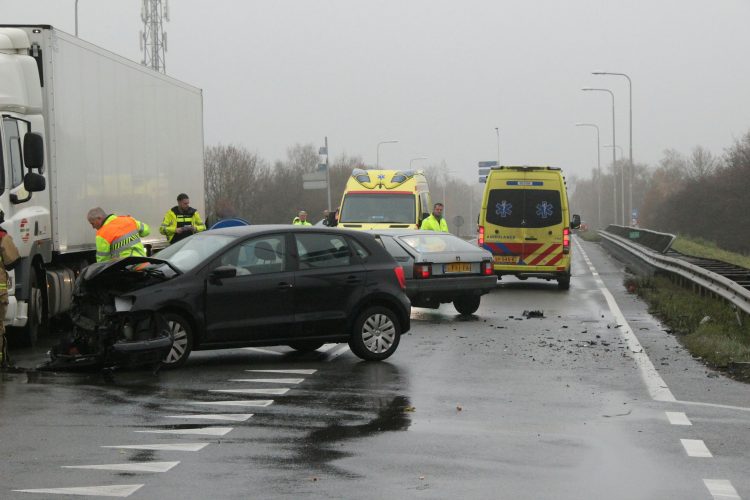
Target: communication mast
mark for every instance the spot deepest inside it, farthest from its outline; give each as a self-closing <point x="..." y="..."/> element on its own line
<point x="153" y="38"/>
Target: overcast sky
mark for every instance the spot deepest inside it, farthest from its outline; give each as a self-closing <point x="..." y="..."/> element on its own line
<point x="439" y="76"/>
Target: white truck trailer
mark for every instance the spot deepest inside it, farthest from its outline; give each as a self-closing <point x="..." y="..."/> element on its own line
<point x="83" y="127"/>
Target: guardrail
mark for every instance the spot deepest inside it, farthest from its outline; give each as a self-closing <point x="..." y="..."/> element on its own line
<point x="661" y="242"/>
<point x="708" y="280"/>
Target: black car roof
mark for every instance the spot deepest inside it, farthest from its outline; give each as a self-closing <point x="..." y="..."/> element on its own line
<point x="242" y="231"/>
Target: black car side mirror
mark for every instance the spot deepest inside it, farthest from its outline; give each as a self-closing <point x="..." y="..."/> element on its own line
<point x="223" y="272"/>
<point x="576" y="222"/>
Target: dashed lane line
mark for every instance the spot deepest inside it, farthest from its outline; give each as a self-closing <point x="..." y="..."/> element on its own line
<point x="128" y="467"/>
<point x="338" y="352"/>
<point x="270" y="380"/>
<point x="326" y="347"/>
<point x="656" y="386"/>
<point x="678" y="418"/>
<point x="162" y="446"/>
<point x="232" y="417"/>
<point x="201" y="431"/>
<point x="721" y="489"/>
<point x="696" y="448"/>
<point x="714" y="405"/>
<point x="275" y="392"/>
<point x="241" y="402"/>
<point x="287" y="372"/>
<point x="114" y="490"/>
<point x="264" y="351"/>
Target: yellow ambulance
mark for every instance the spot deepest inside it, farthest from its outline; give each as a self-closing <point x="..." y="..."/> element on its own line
<point x="524" y="221"/>
<point x="383" y="199"/>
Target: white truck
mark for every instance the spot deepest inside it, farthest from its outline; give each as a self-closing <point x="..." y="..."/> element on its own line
<point x="83" y="127"/>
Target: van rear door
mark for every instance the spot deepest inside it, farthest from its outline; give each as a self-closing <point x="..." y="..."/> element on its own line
<point x="543" y="223"/>
<point x="504" y="235"/>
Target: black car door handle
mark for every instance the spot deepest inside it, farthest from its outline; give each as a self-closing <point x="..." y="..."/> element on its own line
<point x="352" y="280"/>
<point x="284" y="285"/>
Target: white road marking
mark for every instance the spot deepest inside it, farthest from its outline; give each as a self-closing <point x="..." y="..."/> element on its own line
<point x="201" y="431"/>
<point x="129" y="467"/>
<point x="162" y="446"/>
<point x="714" y="405"/>
<point x="721" y="489"/>
<point x="114" y="490"/>
<point x="338" y="353"/>
<point x="232" y="417"/>
<point x="242" y="402"/>
<point x="326" y="347"/>
<point x="270" y="380"/>
<point x="696" y="448"/>
<point x="289" y="372"/>
<point x="656" y="386"/>
<point x="277" y="392"/>
<point x="678" y="418"/>
<point x="264" y="351"/>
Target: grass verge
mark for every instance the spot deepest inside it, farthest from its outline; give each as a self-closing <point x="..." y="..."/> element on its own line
<point x="708" y="327"/>
<point x="589" y="235"/>
<point x="698" y="247"/>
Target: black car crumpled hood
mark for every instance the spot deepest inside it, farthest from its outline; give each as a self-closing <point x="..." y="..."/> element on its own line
<point x="123" y="275"/>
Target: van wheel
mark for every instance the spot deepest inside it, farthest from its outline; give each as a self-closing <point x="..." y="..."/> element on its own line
<point x="182" y="344"/>
<point x="376" y="334"/>
<point x="563" y="283"/>
<point x="306" y="345"/>
<point x="467" y="305"/>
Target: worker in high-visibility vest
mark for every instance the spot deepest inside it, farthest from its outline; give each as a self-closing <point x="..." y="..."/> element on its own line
<point x="436" y="221"/>
<point x="301" y="219"/>
<point x="8" y="260"/>
<point x="117" y="235"/>
<point x="181" y="220"/>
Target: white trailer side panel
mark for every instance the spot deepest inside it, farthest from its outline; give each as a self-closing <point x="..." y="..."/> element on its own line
<point x="120" y="136"/>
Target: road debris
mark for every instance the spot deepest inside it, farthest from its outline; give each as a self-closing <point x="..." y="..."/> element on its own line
<point x="533" y="314"/>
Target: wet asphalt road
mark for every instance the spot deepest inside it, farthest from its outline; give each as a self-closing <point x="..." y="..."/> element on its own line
<point x="492" y="406"/>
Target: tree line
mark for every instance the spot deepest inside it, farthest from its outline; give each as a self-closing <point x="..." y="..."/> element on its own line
<point x="700" y="194"/>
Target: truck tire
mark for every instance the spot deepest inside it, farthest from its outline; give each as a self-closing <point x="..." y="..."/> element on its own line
<point x="467" y="304"/>
<point x="27" y="336"/>
<point x="375" y="334"/>
<point x="182" y="345"/>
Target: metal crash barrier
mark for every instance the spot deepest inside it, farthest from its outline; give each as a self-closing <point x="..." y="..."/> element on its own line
<point x="661" y="242"/>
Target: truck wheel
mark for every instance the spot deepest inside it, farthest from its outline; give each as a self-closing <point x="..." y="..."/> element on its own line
<point x="306" y="345"/>
<point x="563" y="283"/>
<point x="467" y="305"/>
<point x="182" y="346"/>
<point x="28" y="335"/>
<point x="376" y="334"/>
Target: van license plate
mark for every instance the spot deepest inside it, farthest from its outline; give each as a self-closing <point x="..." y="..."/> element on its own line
<point x="506" y="259"/>
<point x="458" y="267"/>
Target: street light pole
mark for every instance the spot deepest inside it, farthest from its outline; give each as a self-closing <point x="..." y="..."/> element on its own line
<point x="614" y="158"/>
<point x="599" y="173"/>
<point x="377" y="162"/>
<point x="497" y="131"/>
<point x="630" y="136"/>
<point x="76" y="18"/>
<point x="619" y="148"/>
<point x="416" y="159"/>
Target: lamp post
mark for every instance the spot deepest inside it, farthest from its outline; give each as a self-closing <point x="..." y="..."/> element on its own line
<point x="614" y="158"/>
<point x="377" y="162"/>
<point x="416" y="159"/>
<point x="497" y="131"/>
<point x="614" y="146"/>
<point x="630" y="135"/>
<point x="76" y="18"/>
<point x="598" y="171"/>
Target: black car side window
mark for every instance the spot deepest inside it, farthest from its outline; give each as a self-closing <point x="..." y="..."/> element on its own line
<point x="257" y="256"/>
<point x="322" y="250"/>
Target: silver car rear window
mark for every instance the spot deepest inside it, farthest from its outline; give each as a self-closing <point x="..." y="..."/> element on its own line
<point x="436" y="242"/>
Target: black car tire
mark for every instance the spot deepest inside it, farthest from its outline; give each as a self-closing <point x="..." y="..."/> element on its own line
<point x="563" y="283"/>
<point x="306" y="345"/>
<point x="467" y="304"/>
<point x="182" y="346"/>
<point x="376" y="334"/>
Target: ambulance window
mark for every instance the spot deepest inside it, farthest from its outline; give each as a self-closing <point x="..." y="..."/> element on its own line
<point x="543" y="208"/>
<point x="505" y="207"/>
<point x="13" y="143"/>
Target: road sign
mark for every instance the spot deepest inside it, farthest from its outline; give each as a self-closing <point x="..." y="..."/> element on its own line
<point x="483" y="179"/>
<point x="315" y="180"/>
<point x="314" y="184"/>
<point x="487" y="164"/>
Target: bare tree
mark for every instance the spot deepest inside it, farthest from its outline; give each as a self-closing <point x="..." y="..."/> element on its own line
<point x="701" y="164"/>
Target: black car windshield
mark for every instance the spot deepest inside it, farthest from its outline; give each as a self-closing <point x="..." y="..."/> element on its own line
<point x="437" y="242"/>
<point x="187" y="254"/>
<point x="379" y="208"/>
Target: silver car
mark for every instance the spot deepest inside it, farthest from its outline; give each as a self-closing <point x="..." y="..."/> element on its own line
<point x="440" y="268"/>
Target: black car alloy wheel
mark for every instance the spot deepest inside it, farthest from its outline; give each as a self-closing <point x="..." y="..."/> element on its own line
<point x="376" y="334"/>
<point x="182" y="333"/>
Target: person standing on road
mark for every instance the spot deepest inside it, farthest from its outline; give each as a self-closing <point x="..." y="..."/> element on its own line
<point x="301" y="219"/>
<point x="8" y="260"/>
<point x="181" y="221"/>
<point x="117" y="235"/>
<point x="436" y="221"/>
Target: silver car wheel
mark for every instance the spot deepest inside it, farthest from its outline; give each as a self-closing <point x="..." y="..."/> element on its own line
<point x="378" y="333"/>
<point x="179" y="343"/>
